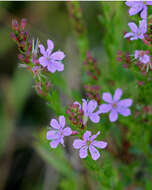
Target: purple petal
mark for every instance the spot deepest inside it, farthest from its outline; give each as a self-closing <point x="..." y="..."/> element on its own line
<point x="85" y="107"/>
<point x="42" y="49"/>
<point x="52" y="135"/>
<point x="92" y="104"/>
<point x="113" y="116"/>
<point x="143" y="13"/>
<point x="83" y="152"/>
<point x="133" y="27"/>
<point x="62" y="121"/>
<point x="124" y="111"/>
<point x="94" y="136"/>
<point x="51" y="67"/>
<point x="129" y="34"/>
<point x="86" y="135"/>
<point x="125" y="103"/>
<point x="135" y="9"/>
<point x="43" y="61"/>
<point x="50" y="45"/>
<point x="67" y="131"/>
<point x="58" y="55"/>
<point x="99" y="144"/>
<point x="54" y="123"/>
<point x="59" y="66"/>
<point x="62" y="141"/>
<point x="143" y="26"/>
<point x="104" y="108"/>
<point x="136" y="54"/>
<point x="145" y="59"/>
<point x="94" y="117"/>
<point x="78" y="143"/>
<point x="117" y="94"/>
<point x="94" y="152"/>
<point x="77" y="104"/>
<point x="129" y="3"/>
<point x="135" y="37"/>
<point x="54" y="143"/>
<point x="107" y="97"/>
<point x="149" y="2"/>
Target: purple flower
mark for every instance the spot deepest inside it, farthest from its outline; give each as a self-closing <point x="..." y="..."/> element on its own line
<point x="115" y="105"/>
<point x="89" y="111"/>
<point x="56" y="136"/>
<point x="142" y="56"/>
<point x="90" y="143"/>
<point x="137" y="33"/>
<point x="51" y="60"/>
<point x="138" y="6"/>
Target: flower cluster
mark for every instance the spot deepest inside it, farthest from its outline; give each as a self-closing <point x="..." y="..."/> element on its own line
<point x="41" y="62"/>
<point x="79" y="114"/>
<point x="141" y="57"/>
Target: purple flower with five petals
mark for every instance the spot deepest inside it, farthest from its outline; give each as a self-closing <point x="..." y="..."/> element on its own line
<point x="138" y="6"/>
<point x="90" y="143"/>
<point x="89" y="111"/>
<point x="57" y="135"/>
<point x="137" y="33"/>
<point x="51" y="60"/>
<point x="142" y="56"/>
<point x="115" y="105"/>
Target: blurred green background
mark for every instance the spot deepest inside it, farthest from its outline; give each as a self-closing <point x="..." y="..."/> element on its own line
<point x="26" y="160"/>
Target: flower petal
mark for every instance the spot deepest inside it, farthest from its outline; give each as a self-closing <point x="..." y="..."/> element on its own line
<point x="54" y="143"/>
<point x="43" y="61"/>
<point x="85" y="107"/>
<point x="129" y="34"/>
<point x="117" y="94"/>
<point x="107" y="97"/>
<point x="94" y="136"/>
<point x="58" y="55"/>
<point x="51" y="67"/>
<point x="50" y="45"/>
<point x="42" y="49"/>
<point x="145" y="59"/>
<point x="143" y="26"/>
<point x="92" y="104"/>
<point x="125" y="103"/>
<point x="67" y="131"/>
<point x="133" y="27"/>
<point x="113" y="116"/>
<point x="143" y="13"/>
<point x="149" y="2"/>
<point x="104" y="108"/>
<point x="62" y="121"/>
<point x="54" y="123"/>
<point x="52" y="135"/>
<point x="99" y="144"/>
<point x="94" y="117"/>
<point x="77" y="104"/>
<point x="94" y="152"/>
<point x="86" y="135"/>
<point x="78" y="143"/>
<point x="124" y="111"/>
<point x="59" y="66"/>
<point x="83" y="152"/>
<point x="135" y="9"/>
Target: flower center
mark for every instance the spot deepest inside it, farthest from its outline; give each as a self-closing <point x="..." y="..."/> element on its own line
<point x="88" y="142"/>
<point x="48" y="58"/>
<point x="114" y="105"/>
